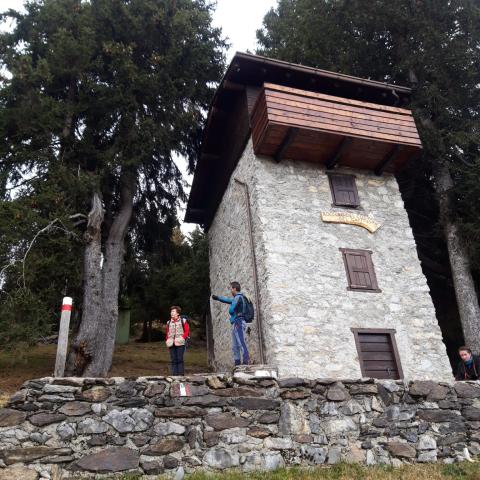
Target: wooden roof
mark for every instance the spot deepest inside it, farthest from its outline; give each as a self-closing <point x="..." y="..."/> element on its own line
<point x="360" y="105"/>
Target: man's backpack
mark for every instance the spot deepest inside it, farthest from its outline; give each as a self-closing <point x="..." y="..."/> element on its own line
<point x="248" y="310"/>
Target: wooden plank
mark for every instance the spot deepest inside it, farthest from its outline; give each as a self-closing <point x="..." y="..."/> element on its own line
<point x="375" y="347"/>
<point x="350" y="131"/>
<point x="295" y="105"/>
<point x="332" y="98"/>
<point x="388" y="355"/>
<point x="315" y="104"/>
<point x="332" y="120"/>
<point x="379" y="364"/>
<point x="373" y="338"/>
<point x="333" y="115"/>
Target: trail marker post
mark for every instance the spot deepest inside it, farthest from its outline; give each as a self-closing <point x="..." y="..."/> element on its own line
<point x="63" y="337"/>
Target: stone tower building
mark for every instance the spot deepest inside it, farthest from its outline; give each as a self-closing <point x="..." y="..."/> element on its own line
<point x="296" y="187"/>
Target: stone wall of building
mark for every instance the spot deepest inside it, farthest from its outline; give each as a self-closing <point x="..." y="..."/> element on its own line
<point x="308" y="311"/>
<point x="231" y="259"/>
<point x="247" y="421"/>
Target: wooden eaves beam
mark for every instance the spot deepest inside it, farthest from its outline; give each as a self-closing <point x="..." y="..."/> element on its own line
<point x="388" y="159"/>
<point x="335" y="158"/>
<point x="287" y="141"/>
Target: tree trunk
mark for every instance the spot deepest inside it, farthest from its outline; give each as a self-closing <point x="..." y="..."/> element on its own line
<point x="463" y="282"/>
<point x="92" y="350"/>
<point x="114" y="254"/>
<point x="85" y="342"/>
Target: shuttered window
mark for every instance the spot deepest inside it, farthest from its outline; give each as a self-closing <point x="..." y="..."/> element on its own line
<point x="378" y="353"/>
<point x="344" y="190"/>
<point x="360" y="270"/>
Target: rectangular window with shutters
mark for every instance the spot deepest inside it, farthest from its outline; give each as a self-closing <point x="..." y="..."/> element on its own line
<point x="378" y="353"/>
<point x="360" y="271"/>
<point x="344" y="190"/>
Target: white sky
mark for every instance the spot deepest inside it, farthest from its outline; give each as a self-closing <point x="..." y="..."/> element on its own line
<point x="239" y="20"/>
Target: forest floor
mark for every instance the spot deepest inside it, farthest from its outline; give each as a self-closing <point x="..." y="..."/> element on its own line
<point x="132" y="360"/>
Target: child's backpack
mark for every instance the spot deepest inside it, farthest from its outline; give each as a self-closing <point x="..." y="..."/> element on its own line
<point x="248" y="310"/>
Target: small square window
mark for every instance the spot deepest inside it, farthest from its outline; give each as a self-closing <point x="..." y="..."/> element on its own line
<point x="344" y="190"/>
<point x="360" y="270"/>
<point x="378" y="353"/>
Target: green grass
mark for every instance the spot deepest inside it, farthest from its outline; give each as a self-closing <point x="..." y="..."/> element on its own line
<point x="438" y="471"/>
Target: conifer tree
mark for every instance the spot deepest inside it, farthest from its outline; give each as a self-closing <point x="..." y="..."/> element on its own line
<point x="107" y="91"/>
<point x="432" y="46"/>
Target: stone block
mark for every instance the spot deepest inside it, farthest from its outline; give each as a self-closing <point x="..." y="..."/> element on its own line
<point x="269" y="418"/>
<point x="170" y="462"/>
<point x="401" y="450"/>
<point x="73" y="409"/>
<point x="277" y="443"/>
<point x="164" y="446"/>
<point x="220" y="458"/>
<point x="114" y="459"/>
<point x="251" y="403"/>
<point x="467" y="390"/>
<point x="18" y="472"/>
<point x="426" y="442"/>
<point x="154" y="389"/>
<point x="30" y="454"/>
<point x="438" y="416"/>
<point x="153" y="467"/>
<point x="223" y="421"/>
<point x="95" y="394"/>
<point x="180" y="412"/>
<point x="337" y="393"/>
<point x="259" y="432"/>
<point x="169" y="428"/>
<point x="42" y="419"/>
<point x="10" y="417"/>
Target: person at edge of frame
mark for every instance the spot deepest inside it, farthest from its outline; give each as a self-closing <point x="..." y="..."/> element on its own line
<point x="468" y="367"/>
<point x="176" y="337"/>
<point x="237" y="322"/>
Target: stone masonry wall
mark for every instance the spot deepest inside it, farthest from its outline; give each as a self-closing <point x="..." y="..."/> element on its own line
<point x="73" y="426"/>
<point x="308" y="311"/>
<point x="231" y="258"/>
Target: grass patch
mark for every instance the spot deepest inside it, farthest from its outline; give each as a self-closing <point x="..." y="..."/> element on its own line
<point x="438" y="471"/>
<point x="131" y="360"/>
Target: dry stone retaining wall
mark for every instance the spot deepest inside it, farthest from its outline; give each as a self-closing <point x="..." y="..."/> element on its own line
<point x="152" y="425"/>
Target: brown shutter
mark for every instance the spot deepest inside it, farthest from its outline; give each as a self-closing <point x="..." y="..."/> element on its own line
<point x="344" y="190"/>
<point x="360" y="270"/>
<point x="378" y="354"/>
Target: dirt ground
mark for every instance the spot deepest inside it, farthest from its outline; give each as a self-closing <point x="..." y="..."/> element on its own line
<point x="131" y="360"/>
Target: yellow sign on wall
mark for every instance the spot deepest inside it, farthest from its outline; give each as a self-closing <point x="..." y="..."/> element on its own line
<point x="352" y="219"/>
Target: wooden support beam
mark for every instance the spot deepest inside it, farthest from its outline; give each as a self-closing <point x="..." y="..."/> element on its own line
<point x="335" y="158"/>
<point x="389" y="159"/>
<point x="287" y="141"/>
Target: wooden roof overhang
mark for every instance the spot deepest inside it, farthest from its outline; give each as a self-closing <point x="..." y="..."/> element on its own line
<point x="230" y="122"/>
<point x="302" y="125"/>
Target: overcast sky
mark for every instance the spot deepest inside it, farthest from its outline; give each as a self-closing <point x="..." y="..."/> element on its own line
<point x="239" y="20"/>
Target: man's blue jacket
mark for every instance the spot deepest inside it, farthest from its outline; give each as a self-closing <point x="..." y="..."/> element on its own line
<point x="235" y="309"/>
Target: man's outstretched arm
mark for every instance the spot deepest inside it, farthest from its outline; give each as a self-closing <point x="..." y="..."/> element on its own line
<point x="222" y="299"/>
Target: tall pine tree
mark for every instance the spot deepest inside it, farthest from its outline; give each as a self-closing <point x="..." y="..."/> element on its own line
<point x="107" y="91"/>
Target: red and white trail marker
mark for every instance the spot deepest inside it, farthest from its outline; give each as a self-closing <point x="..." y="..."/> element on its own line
<point x="62" y="344"/>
